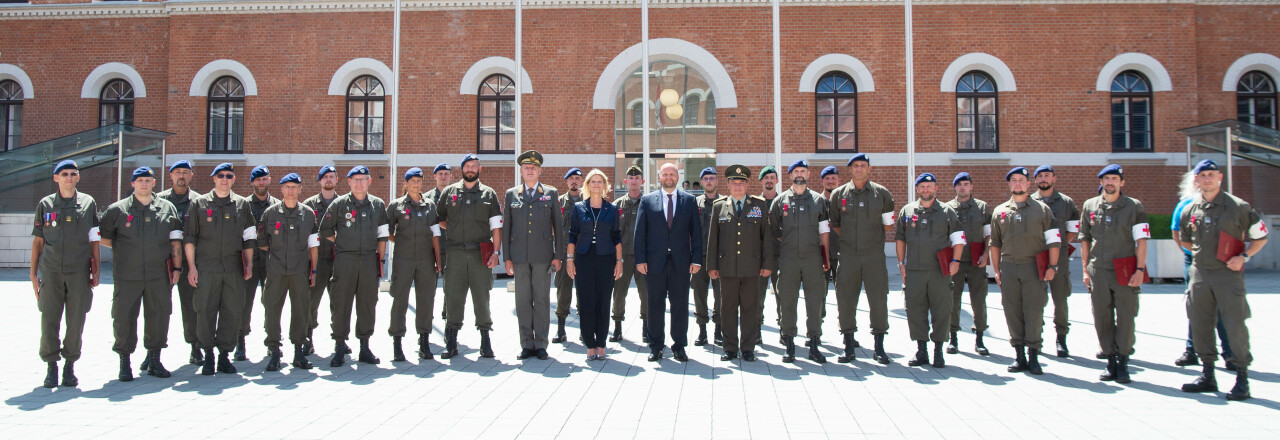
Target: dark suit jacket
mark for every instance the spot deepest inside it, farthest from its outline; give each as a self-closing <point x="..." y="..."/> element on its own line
<point x="654" y="238"/>
<point x="607" y="234"/>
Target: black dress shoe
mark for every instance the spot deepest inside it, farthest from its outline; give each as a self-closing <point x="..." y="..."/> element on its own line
<point x="749" y="356"/>
<point x="1188" y="358"/>
<point x="728" y="356"/>
<point x="655" y="355"/>
<point x="525" y="354"/>
<point x="541" y="353"/>
<point x="678" y="355"/>
<point x="51" y="376"/>
<point x="69" y="375"/>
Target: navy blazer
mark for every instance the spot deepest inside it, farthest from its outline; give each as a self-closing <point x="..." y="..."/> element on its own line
<point x="607" y="234"/>
<point x="654" y="238"/>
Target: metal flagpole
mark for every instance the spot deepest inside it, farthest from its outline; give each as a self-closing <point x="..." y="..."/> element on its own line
<point x="911" y="107"/>
<point x="395" y="100"/>
<point x="644" y="85"/>
<point x="777" y="89"/>
<point x="517" y="75"/>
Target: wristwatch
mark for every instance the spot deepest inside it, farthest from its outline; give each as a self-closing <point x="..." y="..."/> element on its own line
<point x="1246" y="256"/>
<point x="1143" y="269"/>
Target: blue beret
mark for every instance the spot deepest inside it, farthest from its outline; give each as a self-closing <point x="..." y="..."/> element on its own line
<point x="962" y="176"/>
<point x="1018" y="170"/>
<point x="291" y="178"/>
<point x="706" y="171"/>
<point x="225" y="166"/>
<point x="180" y="164"/>
<point x="1044" y="169"/>
<point x="926" y="178"/>
<point x="798" y="164"/>
<point x="469" y="157"/>
<point x="326" y="170"/>
<point x="829" y="170"/>
<point x="142" y="172"/>
<point x="259" y="171"/>
<point x="572" y="172"/>
<point x="358" y="170"/>
<point x="1205" y="165"/>
<point x="65" y="165"/>
<point x="1112" y="169"/>
<point x="413" y="172"/>
<point x="858" y="157"/>
<point x="441" y="167"/>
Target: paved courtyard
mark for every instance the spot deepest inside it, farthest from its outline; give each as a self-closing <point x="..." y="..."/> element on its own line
<point x="628" y="397"/>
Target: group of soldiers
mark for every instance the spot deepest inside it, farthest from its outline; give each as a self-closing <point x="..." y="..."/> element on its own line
<point x="220" y="247"/>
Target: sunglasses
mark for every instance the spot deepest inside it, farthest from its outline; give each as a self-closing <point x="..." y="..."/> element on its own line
<point x="225" y="176"/>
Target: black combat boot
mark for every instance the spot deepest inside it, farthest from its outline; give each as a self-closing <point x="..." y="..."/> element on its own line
<point x="366" y="355"/>
<point x="155" y="367"/>
<point x="1033" y="362"/>
<point x="224" y="363"/>
<point x="1109" y="374"/>
<point x="979" y="347"/>
<point x="450" y="344"/>
<point x="300" y="357"/>
<point x="1203" y="384"/>
<point x="702" y="335"/>
<point x="207" y="368"/>
<point x="1062" y="346"/>
<point x="397" y="351"/>
<point x="880" y="355"/>
<point x="424" y="346"/>
<point x="240" y="356"/>
<point x="126" y="372"/>
<point x="69" y="375"/>
<point x="197" y="357"/>
<point x="815" y="355"/>
<point x="486" y="348"/>
<point x="719" y="337"/>
<point x="341" y="346"/>
<point x="273" y="360"/>
<point x="309" y="347"/>
<point x="849" y="346"/>
<point x="617" y="331"/>
<point x="560" y="336"/>
<point x="953" y="346"/>
<point x="1188" y="358"/>
<point x="1241" y="390"/>
<point x="51" y="376"/>
<point x="339" y="354"/>
<point x="922" y="355"/>
<point x="146" y="363"/>
<point x="789" y="344"/>
<point x="1020" y="362"/>
<point x="937" y="356"/>
<point x="1122" y="369"/>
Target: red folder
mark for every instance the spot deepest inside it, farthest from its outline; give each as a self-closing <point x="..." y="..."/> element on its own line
<point x="486" y="252"/>
<point x="975" y="251"/>
<point x="1125" y="268"/>
<point x="1228" y="246"/>
<point x="1042" y="263"/>
<point x="944" y="260"/>
<point x="1071" y="249"/>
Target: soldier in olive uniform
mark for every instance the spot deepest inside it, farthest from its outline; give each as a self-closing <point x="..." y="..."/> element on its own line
<point x="356" y="223"/>
<point x="798" y="218"/>
<point x="443" y="177"/>
<point x="259" y="180"/>
<point x="218" y="241"/>
<point x="180" y="195"/>
<point x="925" y="230"/>
<point x="861" y="215"/>
<point x="830" y="178"/>
<point x="1022" y="228"/>
<point x="1068" y="218"/>
<point x="64" y="269"/>
<point x="416" y="233"/>
<point x="628" y="207"/>
<point x="1216" y="285"/>
<point x="288" y="240"/>
<point x="768" y="180"/>
<point x="470" y="211"/>
<point x="328" y="179"/>
<point x="564" y="284"/>
<point x="975" y="220"/>
<point x="1114" y="228"/>
<point x="740" y="255"/>
<point x="532" y="255"/>
<point x="700" y="282"/>
<point x="146" y="234"/>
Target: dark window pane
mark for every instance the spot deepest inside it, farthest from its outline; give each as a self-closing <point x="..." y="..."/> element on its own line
<point x="1140" y="123"/>
<point x="1140" y="106"/>
<point x="1118" y="140"/>
<point x="987" y="123"/>
<point x="1141" y="140"/>
<point x="987" y="140"/>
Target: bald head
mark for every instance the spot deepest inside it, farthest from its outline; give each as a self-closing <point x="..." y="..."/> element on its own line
<point x="668" y="175"/>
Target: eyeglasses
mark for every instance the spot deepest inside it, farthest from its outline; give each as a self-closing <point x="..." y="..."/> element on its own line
<point x="69" y="174"/>
<point x="225" y="176"/>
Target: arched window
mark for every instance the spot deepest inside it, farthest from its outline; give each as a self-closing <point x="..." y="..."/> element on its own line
<point x="1130" y="112"/>
<point x="977" y="125"/>
<point x="711" y="109"/>
<point x="10" y="115"/>
<point x="1256" y="99"/>
<point x="496" y="116"/>
<point x="691" y="109"/>
<point x="365" y="101"/>
<point x="837" y="113"/>
<point x="115" y="103"/>
<point x="226" y="116"/>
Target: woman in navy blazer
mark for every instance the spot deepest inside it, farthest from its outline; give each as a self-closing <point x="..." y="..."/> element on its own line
<point x="595" y="252"/>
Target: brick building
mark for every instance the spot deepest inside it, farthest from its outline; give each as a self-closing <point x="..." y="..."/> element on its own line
<point x="997" y="83"/>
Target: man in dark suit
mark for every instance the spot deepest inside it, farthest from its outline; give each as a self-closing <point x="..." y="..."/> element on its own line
<point x="668" y="239"/>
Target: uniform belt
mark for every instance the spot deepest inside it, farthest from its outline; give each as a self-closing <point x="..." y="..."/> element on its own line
<point x="470" y="245"/>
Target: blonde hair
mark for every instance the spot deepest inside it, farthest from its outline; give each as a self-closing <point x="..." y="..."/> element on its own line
<point x="596" y="172"/>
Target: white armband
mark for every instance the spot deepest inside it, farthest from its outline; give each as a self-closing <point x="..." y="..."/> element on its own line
<point x="1052" y="236"/>
<point x="1073" y="226"/>
<point x="1258" y="231"/>
<point x="94" y="235"/>
<point x="435" y="230"/>
<point x="824" y="227"/>
<point x="1141" y="231"/>
<point x="986" y="231"/>
<point x="313" y="240"/>
<point x="175" y="235"/>
<point x="384" y="231"/>
<point x="249" y="233"/>
<point x="957" y="238"/>
<point x="886" y="218"/>
<point x="495" y="222"/>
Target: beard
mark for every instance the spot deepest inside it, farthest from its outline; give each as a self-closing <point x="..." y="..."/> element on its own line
<point x="1020" y="193"/>
<point x="768" y="186"/>
<point x="928" y="198"/>
<point x="799" y="181"/>
<point x="259" y="191"/>
<point x="668" y="185"/>
<point x="180" y="183"/>
<point x="1044" y="186"/>
<point x="1110" y="189"/>
<point x="471" y="176"/>
<point x="328" y="186"/>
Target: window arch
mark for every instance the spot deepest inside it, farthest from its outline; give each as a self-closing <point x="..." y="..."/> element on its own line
<point x="225" y="132"/>
<point x="836" y="115"/>
<point x="1256" y="99"/>
<point x="115" y="103"/>
<point x="692" y="108"/>
<point x="366" y="102"/>
<point x="496" y="115"/>
<point x="977" y="115"/>
<point x="1130" y="112"/>
<point x="10" y="115"/>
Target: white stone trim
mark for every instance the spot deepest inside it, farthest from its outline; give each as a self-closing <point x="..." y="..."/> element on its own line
<point x="476" y="74"/>
<point x="615" y="74"/>
<point x="833" y="62"/>
<point x="358" y="67"/>
<point x="204" y="78"/>
<point x="103" y="74"/>
<point x="985" y="63"/>
<point x="1029" y="159"/>
<point x="15" y="73"/>
<point x="1265" y="62"/>
<point x="1141" y="62"/>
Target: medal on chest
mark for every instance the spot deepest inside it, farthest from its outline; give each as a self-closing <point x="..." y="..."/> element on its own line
<point x="784" y="209"/>
<point x="1193" y="223"/>
<point x="406" y="213"/>
<point x="844" y="204"/>
<point x="278" y="224"/>
<point x="453" y="200"/>
<point x="128" y="220"/>
<point x="209" y="218"/>
<point x="914" y="220"/>
<point x="1004" y="217"/>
